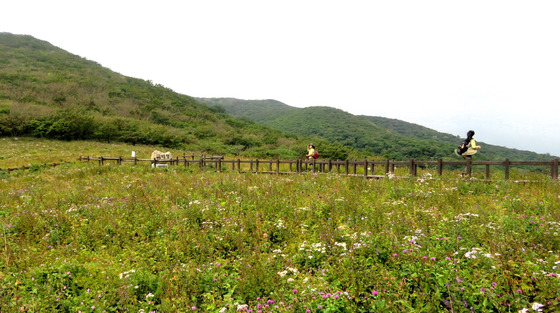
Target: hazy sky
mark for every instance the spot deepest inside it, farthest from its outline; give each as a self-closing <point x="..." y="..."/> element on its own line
<point x="491" y="66"/>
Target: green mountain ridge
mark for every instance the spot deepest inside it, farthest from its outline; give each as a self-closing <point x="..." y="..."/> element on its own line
<point x="388" y="138"/>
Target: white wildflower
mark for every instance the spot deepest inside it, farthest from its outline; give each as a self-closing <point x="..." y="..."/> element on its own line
<point x="126" y="274"/>
<point x="279" y="224"/>
<point x="242" y="307"/>
<point x="341" y="244"/>
<point x="537" y="306"/>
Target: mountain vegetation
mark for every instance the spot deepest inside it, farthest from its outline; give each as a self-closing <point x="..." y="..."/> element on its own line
<point x="383" y="137"/>
<point x="47" y="92"/>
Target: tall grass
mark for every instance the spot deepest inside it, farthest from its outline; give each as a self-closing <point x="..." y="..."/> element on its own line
<point x="89" y="238"/>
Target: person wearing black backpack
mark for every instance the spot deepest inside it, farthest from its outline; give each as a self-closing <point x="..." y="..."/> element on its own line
<point x="468" y="148"/>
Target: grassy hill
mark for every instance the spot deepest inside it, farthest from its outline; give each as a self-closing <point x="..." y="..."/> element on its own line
<point x="388" y="138"/>
<point x="50" y="93"/>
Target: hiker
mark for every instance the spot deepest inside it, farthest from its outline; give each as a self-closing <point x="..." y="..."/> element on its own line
<point x="311" y="152"/>
<point x="472" y="149"/>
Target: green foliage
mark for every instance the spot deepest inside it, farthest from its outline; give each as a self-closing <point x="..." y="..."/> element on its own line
<point x="47" y="92"/>
<point x="70" y="124"/>
<point x="117" y="238"/>
<point x="84" y="237"/>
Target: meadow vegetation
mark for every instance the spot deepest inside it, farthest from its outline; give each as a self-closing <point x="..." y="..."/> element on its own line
<point x="81" y="237"/>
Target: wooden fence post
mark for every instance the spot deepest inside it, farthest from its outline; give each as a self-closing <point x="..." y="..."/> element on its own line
<point x="506" y="168"/>
<point x="387" y="170"/>
<point x="314" y="163"/>
<point x="277" y="166"/>
<point x="440" y="166"/>
<point x="256" y="165"/>
<point x="412" y="169"/>
<point x="487" y="171"/>
<point x="554" y="169"/>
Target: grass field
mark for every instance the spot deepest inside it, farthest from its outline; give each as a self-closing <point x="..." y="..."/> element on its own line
<point x="86" y="238"/>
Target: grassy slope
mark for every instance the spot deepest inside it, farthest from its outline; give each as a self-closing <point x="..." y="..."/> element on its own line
<point x="48" y="92"/>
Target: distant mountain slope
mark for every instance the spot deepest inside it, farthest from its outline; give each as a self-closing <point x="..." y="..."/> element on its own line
<point x="410" y="129"/>
<point x="390" y="138"/>
<point x="251" y="109"/>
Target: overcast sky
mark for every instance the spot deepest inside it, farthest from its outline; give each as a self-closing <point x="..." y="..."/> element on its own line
<point x="490" y="66"/>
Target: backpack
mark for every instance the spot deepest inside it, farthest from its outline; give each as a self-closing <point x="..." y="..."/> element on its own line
<point x="316" y="155"/>
<point x="463" y="147"/>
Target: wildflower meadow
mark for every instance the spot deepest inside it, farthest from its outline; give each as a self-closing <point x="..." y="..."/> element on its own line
<point x="81" y="237"/>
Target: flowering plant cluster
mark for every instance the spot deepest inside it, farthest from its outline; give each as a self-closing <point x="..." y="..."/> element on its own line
<point x="84" y="238"/>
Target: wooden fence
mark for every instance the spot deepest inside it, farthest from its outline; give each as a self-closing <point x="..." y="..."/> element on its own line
<point x="365" y="168"/>
<point x="11" y="169"/>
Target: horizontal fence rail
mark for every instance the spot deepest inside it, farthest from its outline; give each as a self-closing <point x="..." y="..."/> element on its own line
<point x="366" y="168"/>
<point x="11" y="169"/>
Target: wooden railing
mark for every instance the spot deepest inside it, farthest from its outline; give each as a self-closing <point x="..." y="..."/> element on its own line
<point x="366" y="168"/>
<point x="11" y="169"/>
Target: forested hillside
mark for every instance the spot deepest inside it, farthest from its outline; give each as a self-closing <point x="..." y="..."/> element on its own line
<point x="383" y="137"/>
<point x="48" y="92"/>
